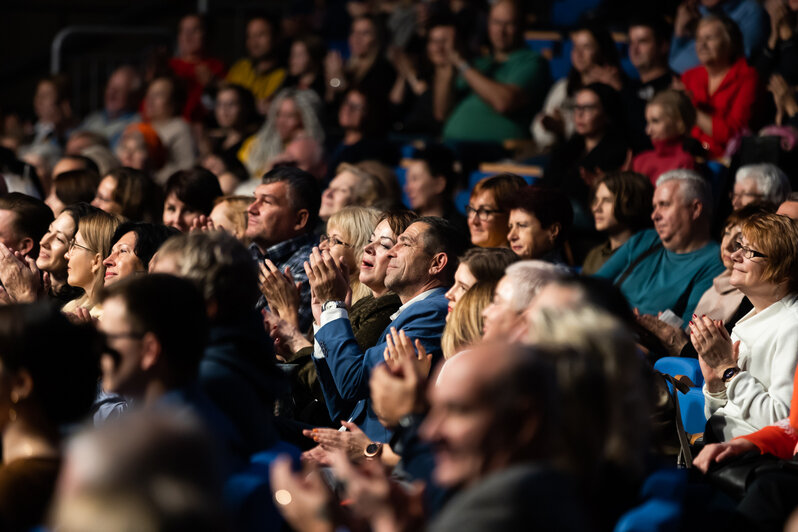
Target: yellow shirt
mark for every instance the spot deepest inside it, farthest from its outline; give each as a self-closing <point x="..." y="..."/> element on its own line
<point x="262" y="86"/>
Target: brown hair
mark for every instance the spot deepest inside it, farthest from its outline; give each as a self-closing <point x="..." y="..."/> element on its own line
<point x="487" y="265"/>
<point x="633" y="194"/>
<point x="76" y="185"/>
<point x="503" y="187"/>
<point x="775" y="236"/>
<point x="398" y="220"/>
<point x="138" y="195"/>
<point x="676" y="106"/>
<point x="465" y="324"/>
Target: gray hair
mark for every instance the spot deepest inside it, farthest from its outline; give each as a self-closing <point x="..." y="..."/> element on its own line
<point x="771" y="182"/>
<point x="529" y="276"/>
<point x="693" y="186"/>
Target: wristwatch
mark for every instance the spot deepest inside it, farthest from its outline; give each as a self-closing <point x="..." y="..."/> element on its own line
<point x="373" y="450"/>
<point x="729" y="373"/>
<point x="333" y="304"/>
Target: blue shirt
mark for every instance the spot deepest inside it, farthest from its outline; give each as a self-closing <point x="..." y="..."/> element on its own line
<point x="747" y="14"/>
<point x="664" y="279"/>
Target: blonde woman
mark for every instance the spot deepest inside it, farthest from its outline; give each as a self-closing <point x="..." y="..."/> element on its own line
<point x="85" y="268"/>
<point x="230" y="214"/>
<point x="464" y="326"/>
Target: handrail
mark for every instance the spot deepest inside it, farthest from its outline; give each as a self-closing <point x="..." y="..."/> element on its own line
<point x="69" y="31"/>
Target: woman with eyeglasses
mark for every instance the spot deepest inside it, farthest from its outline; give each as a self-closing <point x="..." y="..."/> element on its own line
<point x="488" y="210"/>
<point x="85" y="268"/>
<point x="749" y="374"/>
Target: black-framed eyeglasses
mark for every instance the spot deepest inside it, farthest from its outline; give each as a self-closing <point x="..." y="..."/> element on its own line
<point x="748" y="253"/>
<point x="482" y="213"/>
<point x="74" y="244"/>
<point x="333" y="241"/>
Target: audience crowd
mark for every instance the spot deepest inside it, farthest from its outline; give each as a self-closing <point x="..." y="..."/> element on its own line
<point x="287" y="292"/>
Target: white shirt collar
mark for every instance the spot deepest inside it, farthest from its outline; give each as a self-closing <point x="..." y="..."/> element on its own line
<point x="421" y="297"/>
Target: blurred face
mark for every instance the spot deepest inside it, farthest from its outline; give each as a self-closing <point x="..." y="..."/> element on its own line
<point x="673" y="219"/>
<point x="643" y="50"/>
<point x="352" y="111"/>
<point x="288" y="121"/>
<point x="731" y="234"/>
<point x="603" y="209"/>
<point x="104" y="199"/>
<point x="584" y="51"/>
<point x="747" y="273"/>
<point x="745" y="192"/>
<point x="53" y="202"/>
<point x="711" y="45"/>
<point x="8" y="235"/>
<point x="374" y="264"/>
<point x="221" y="216"/>
<point x="82" y="264"/>
<point x="228" y="108"/>
<point x="55" y="243"/>
<point x="659" y="126"/>
<point x="45" y="103"/>
<point x="190" y="36"/>
<point x="409" y="262"/>
<point x="458" y="423"/>
<point x="789" y="209"/>
<point x="422" y="188"/>
<point x="118" y="92"/>
<point x="502" y="27"/>
<point x="440" y="42"/>
<point x="123" y="372"/>
<point x="158" y="101"/>
<point x="463" y="280"/>
<point x="271" y="218"/>
<point x="501" y="320"/>
<point x="363" y="38"/>
<point x="177" y="214"/>
<point x="259" y="39"/>
<point x="338" y="194"/>
<point x="589" y="116"/>
<point x="299" y="59"/>
<point x="132" y="151"/>
<point x="488" y="230"/>
<point x="528" y="239"/>
<point x="339" y="246"/>
<point x="123" y="262"/>
<point x="65" y="164"/>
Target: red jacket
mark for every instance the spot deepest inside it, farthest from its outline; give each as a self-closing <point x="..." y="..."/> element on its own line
<point x="730" y="105"/>
<point x="194" y="111"/>
<point x="666" y="155"/>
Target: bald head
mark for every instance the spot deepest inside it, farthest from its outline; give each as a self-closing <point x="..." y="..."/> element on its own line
<point x="789" y="209"/>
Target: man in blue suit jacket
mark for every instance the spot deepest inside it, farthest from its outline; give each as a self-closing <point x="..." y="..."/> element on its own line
<point x="421" y="267"/>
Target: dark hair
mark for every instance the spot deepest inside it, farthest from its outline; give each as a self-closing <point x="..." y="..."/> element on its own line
<point x="440" y="163"/>
<point x="633" y="193"/>
<point x="32" y="217"/>
<point x="503" y="186"/>
<point x="373" y="122"/>
<point x="178" y="94"/>
<point x="149" y="238"/>
<point x="76" y="185"/>
<point x="398" y="219"/>
<point x="246" y="101"/>
<point x="611" y="104"/>
<point x="303" y="191"/>
<point x="61" y="358"/>
<point x="379" y="29"/>
<point x="549" y="205"/>
<point x="733" y="33"/>
<point x="488" y="264"/>
<point x="607" y="54"/>
<point x="61" y="84"/>
<point x="197" y="188"/>
<point x="88" y="162"/>
<point x="315" y="47"/>
<point x="442" y="236"/>
<point x="174" y="311"/>
<point x="76" y="211"/>
<point x="657" y="24"/>
<point x="602" y="294"/>
<point x="138" y="194"/>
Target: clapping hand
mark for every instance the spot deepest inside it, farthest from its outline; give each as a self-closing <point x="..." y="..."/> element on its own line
<point x="352" y="441"/>
<point x="280" y="290"/>
<point x="203" y="223"/>
<point x="715" y="350"/>
<point x="303" y="499"/>
<point x="19" y="276"/>
<point x="328" y="277"/>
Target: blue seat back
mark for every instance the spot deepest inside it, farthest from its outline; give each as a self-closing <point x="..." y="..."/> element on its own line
<point x="681" y="366"/>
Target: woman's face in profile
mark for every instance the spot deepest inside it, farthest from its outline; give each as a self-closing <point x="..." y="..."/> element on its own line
<point x="55" y="243"/>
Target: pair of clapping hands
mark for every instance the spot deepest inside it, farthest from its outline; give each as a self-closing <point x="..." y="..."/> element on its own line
<point x="22" y="282"/>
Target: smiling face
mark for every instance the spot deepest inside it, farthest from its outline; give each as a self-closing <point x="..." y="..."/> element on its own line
<point x="374" y="264"/>
<point x="338" y="194"/>
<point x="55" y="243"/>
<point x="409" y="264"/>
<point x="501" y="320"/>
<point x="673" y="218"/>
<point x="463" y="280"/>
<point x="659" y="126"/>
<point x="104" y="198"/>
<point x="123" y="262"/>
<point x="492" y="231"/>
<point x="336" y="245"/>
<point x="747" y="274"/>
<point x="177" y="214"/>
<point x="528" y="239"/>
<point x="422" y="188"/>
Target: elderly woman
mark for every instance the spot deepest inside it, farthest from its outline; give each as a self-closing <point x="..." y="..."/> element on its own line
<point x="92" y="243"/>
<point x="724" y="88"/>
<point x="488" y="209"/>
<point x="189" y="195"/>
<point x="748" y="375"/>
<point x="760" y="182"/>
<point x="621" y="207"/>
<point x="478" y="265"/>
<point x="132" y="247"/>
<point x="50" y="371"/>
<point x="540" y="219"/>
<point x="130" y="193"/>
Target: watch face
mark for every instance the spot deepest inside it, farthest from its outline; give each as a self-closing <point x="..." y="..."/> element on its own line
<point x="372" y="449"/>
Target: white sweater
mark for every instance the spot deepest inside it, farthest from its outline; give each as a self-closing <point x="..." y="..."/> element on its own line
<point x="760" y="394"/>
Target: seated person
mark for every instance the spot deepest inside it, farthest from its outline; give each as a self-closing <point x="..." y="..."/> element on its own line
<point x="672" y="265"/>
<point x="132" y="247"/>
<point x="121" y="99"/>
<point x="430" y="182"/>
<point x="189" y="195"/>
<point x="503" y="90"/>
<point x="540" y="220"/>
<point x="760" y="183"/>
<point x="130" y="193"/>
<point x="488" y="209"/>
